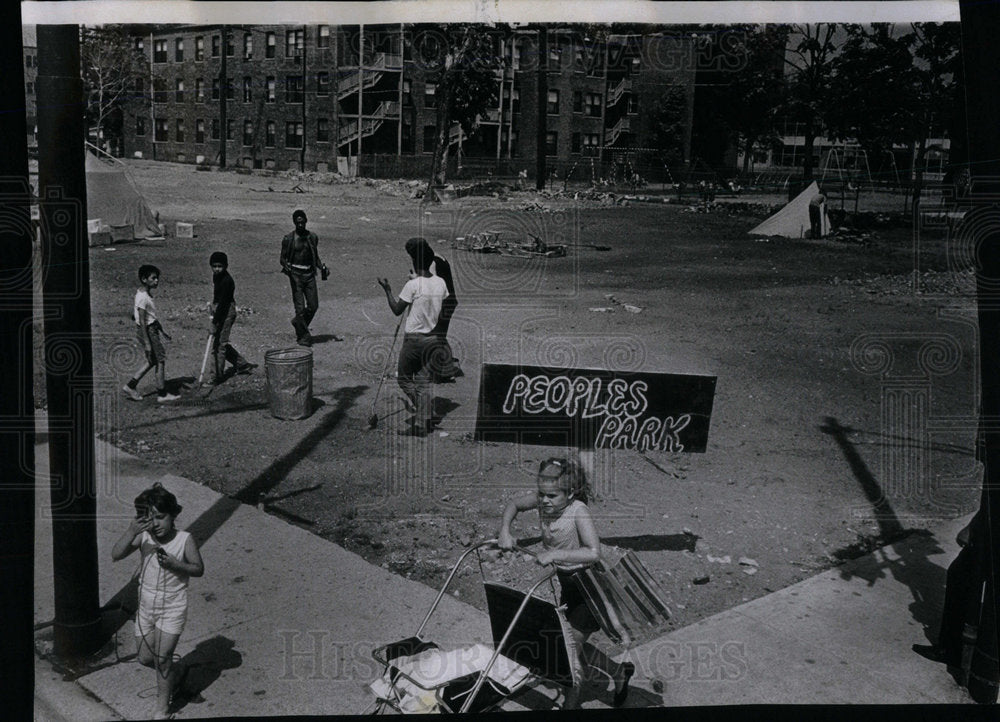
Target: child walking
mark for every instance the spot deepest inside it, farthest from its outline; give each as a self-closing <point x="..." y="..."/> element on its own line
<point x="571" y="543"/>
<point x="150" y="334"/>
<point x="223" y="318"/>
<point x="169" y="557"/>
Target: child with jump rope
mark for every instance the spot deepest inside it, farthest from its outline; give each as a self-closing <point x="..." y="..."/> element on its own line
<point x="571" y="543"/>
<point x="169" y="557"/>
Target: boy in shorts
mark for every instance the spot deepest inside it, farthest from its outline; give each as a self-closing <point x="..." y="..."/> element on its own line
<point x="150" y="333"/>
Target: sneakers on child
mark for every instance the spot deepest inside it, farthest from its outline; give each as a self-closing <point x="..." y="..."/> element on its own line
<point x="163" y="398"/>
<point x="132" y="393"/>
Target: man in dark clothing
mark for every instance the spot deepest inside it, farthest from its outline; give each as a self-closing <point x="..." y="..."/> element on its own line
<point x="817" y="208"/>
<point x="223" y="317"/>
<point x="300" y="261"/>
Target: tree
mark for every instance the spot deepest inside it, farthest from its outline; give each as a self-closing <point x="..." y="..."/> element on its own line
<point x="110" y="66"/>
<point x="808" y="63"/>
<point x="668" y="120"/>
<point x="757" y="87"/>
<point x="896" y="88"/>
<point x="461" y="59"/>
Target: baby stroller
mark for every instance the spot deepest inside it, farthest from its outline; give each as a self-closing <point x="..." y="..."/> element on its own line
<point x="529" y="646"/>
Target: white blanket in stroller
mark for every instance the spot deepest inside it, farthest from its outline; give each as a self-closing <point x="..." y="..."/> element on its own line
<point x="433" y="668"/>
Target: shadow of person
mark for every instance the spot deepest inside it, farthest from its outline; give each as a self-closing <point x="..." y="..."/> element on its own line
<point x="441" y="407"/>
<point x="325" y="338"/>
<point x="201" y="667"/>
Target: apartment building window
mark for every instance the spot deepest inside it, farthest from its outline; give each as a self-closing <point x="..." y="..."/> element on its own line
<point x="523" y="56"/>
<point x="199" y="48"/>
<point x="247" y="132"/>
<point x="247" y="46"/>
<point x="179" y="50"/>
<point x="269" y="45"/>
<point x="552" y="107"/>
<point x="322" y="130"/>
<point x="179" y="130"/>
<point x="430" y="135"/>
<point x="516" y="100"/>
<point x="591" y="141"/>
<point x="160" y="51"/>
<point x="293" y="89"/>
<point x="633" y="103"/>
<point x="407" y="98"/>
<point x="215" y="88"/>
<point x="247" y="89"/>
<point x="271" y="84"/>
<point x="179" y="90"/>
<point x="430" y="99"/>
<point x="551" y="142"/>
<point x="230" y="46"/>
<point x="215" y="128"/>
<point x="140" y="125"/>
<point x="199" y="131"/>
<point x="216" y="45"/>
<point x="555" y="56"/>
<point x="139" y="45"/>
<point x="199" y="90"/>
<point x="270" y="134"/>
<point x="322" y="83"/>
<point x="293" y="135"/>
<point x="593" y="104"/>
<point x="230" y="90"/>
<point x="323" y="36"/>
<point x="574" y="145"/>
<point x="577" y="101"/>
<point x="160" y="131"/>
<point x="230" y="129"/>
<point x="293" y="43"/>
<point x="160" y="92"/>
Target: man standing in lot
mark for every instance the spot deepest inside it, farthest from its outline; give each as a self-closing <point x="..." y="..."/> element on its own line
<point x="300" y="261"/>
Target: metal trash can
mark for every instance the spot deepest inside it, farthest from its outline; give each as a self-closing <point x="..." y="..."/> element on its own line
<point x="289" y="382"/>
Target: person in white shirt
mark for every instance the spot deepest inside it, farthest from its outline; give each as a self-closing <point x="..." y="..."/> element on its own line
<point x="423" y="295"/>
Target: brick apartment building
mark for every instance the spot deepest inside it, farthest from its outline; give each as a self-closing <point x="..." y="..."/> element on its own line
<point x="30" y="51"/>
<point x="306" y="97"/>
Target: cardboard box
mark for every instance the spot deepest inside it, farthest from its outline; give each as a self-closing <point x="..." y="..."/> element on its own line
<point x="100" y="238"/>
<point x="184" y="230"/>
<point x="122" y="233"/>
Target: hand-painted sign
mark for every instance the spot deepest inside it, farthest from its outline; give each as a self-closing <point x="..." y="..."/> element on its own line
<point x="594" y="408"/>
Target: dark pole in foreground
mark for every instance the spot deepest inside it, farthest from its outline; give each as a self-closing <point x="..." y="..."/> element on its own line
<point x="17" y="435"/>
<point x="68" y="360"/>
<point x="981" y="226"/>
<point x="543" y="102"/>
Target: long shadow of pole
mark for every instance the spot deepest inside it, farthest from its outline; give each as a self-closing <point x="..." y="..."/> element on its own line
<point x="888" y="523"/>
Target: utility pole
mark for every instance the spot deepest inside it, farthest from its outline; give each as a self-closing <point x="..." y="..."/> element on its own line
<point x="17" y="513"/>
<point x="69" y="371"/>
<point x="223" y="96"/>
<point x="361" y="90"/>
<point x="980" y="58"/>
<point x="543" y="101"/>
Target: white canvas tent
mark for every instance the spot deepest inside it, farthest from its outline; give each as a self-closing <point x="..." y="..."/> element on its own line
<point x="792" y="221"/>
<point x="113" y="199"/>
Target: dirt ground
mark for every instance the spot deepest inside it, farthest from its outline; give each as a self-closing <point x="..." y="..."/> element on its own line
<point x="844" y="413"/>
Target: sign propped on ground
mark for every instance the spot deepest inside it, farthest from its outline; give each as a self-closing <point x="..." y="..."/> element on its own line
<point x="594" y="408"/>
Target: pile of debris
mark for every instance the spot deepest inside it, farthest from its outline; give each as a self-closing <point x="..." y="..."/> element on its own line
<point x="847" y="234"/>
<point x="490" y="242"/>
<point x="931" y="283"/>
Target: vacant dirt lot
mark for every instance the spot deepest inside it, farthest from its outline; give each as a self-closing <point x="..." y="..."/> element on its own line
<point x="844" y="411"/>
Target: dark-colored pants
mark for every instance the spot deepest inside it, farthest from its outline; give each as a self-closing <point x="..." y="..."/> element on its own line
<point x="306" y="300"/>
<point x="815" y="221"/>
<point x="414" y="373"/>
<point x="222" y="350"/>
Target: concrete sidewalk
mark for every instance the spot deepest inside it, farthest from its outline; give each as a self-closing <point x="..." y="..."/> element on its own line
<point x="283" y="622"/>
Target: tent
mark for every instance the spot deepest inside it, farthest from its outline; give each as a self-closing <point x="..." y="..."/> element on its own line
<point x="113" y="198"/>
<point x="792" y="221"/>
